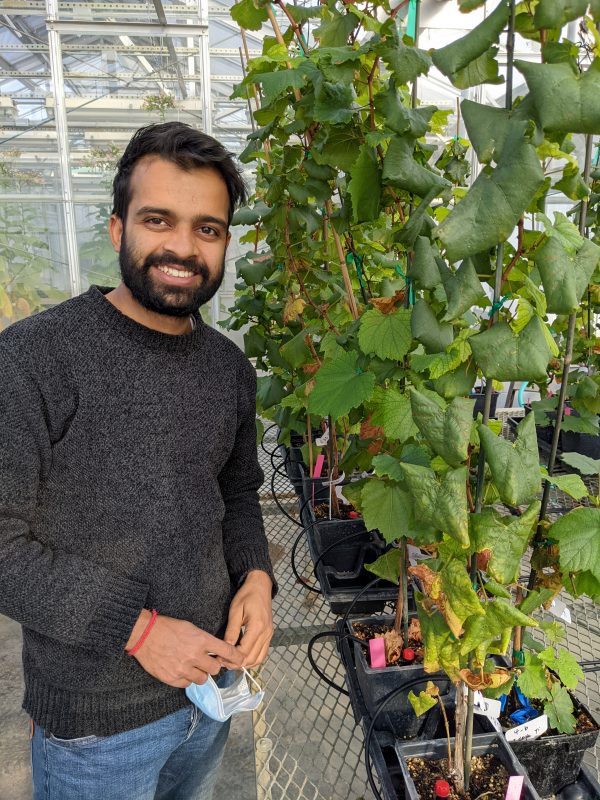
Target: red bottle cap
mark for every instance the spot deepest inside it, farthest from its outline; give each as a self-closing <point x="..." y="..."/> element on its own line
<point x="442" y="789"/>
<point x="353" y="515"/>
<point x="408" y="654"/>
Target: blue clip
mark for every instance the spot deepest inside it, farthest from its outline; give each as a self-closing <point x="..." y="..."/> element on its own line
<point x="524" y="715"/>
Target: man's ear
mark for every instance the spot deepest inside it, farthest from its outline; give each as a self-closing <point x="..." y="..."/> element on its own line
<point x="227" y="240"/>
<point x="115" y="231"/>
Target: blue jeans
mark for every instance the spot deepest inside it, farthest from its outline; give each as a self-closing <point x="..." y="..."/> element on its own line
<point x="175" y="758"/>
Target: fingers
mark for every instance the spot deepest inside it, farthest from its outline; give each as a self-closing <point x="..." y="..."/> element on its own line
<point x="234" y="624"/>
<point x="255" y="644"/>
<point x="223" y="653"/>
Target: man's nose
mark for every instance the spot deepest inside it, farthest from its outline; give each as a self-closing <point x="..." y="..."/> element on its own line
<point x="181" y="242"/>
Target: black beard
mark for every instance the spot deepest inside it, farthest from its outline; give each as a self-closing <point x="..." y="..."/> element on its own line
<point x="174" y="301"/>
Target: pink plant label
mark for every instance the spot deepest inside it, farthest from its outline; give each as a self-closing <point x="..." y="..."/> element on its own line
<point x="515" y="787"/>
<point x="377" y="653"/>
<point x="318" y="466"/>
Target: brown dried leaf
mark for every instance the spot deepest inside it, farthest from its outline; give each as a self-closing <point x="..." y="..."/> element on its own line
<point x="387" y="305"/>
<point x="432" y="588"/>
<point x="393" y="646"/>
<point x="414" y="630"/>
<point x="485" y="680"/>
<point x="311" y="368"/>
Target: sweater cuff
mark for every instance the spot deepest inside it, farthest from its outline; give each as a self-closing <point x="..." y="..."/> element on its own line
<point x="116" y="614"/>
<point x="247" y="560"/>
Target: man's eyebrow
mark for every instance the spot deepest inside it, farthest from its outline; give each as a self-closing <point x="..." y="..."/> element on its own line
<point x="164" y="212"/>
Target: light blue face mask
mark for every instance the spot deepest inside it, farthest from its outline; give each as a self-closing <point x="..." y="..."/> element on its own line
<point x="221" y="704"/>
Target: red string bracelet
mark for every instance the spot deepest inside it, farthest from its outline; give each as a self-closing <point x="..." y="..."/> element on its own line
<point x="144" y="635"/>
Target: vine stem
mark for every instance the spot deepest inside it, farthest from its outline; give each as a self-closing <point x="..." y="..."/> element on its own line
<point x="539" y="534"/>
<point x="487" y="402"/>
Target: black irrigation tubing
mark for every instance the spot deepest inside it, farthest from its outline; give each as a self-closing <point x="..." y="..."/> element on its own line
<point x="408" y="685"/>
<point x="276" y="473"/>
<point x="358" y="596"/>
<point x="313" y="664"/>
<point x="299" y="577"/>
<point x="332" y="546"/>
<point x="262" y="438"/>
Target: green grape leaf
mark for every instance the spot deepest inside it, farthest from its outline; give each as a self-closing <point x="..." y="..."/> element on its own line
<point x="248" y="15"/>
<point x="514" y="467"/>
<point x="556" y="13"/>
<point x="440" y="501"/>
<point x="404" y="62"/>
<point x="457" y="383"/>
<point x="498" y="620"/>
<point x="535" y="599"/>
<point x="564" y="664"/>
<point x="506" y="538"/>
<point x="386" y="507"/>
<point x="434" y="336"/>
<point x="578" y="537"/>
<point x="295" y="351"/>
<point x="494" y="203"/>
<point x="422" y="702"/>
<point x="423" y="269"/>
<point x="392" y="411"/>
<point x="496" y="589"/>
<point x="333" y="102"/>
<point x="336" y="146"/>
<point x="402" y="170"/>
<point x="339" y="387"/>
<point x="483" y="69"/>
<point x="457" y="55"/>
<point x="276" y="83"/>
<point x="505" y="356"/>
<point x="335" y="28"/>
<point x="451" y="592"/>
<point x="385" y="335"/>
<point x="488" y="128"/>
<point x="254" y="343"/>
<point x="559" y="709"/>
<point x="447" y="431"/>
<point x="553" y="631"/>
<point x="365" y="186"/>
<point x="400" y="118"/>
<point x="583" y="583"/>
<point x="533" y="681"/>
<point x="386" y="466"/>
<point x="463" y="289"/>
<point x="270" y="392"/>
<point x="387" y="566"/>
<point x="437" y="640"/>
<point x="565" y="101"/>
<point x="569" y="484"/>
<point x="565" y="277"/>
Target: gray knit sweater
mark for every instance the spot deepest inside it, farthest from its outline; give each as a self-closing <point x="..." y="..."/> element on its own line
<point x="128" y="480"/>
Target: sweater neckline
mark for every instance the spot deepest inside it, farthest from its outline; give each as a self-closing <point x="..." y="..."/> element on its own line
<point x="135" y="331"/>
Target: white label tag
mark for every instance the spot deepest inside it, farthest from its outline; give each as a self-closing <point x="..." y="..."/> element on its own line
<point x="415" y="554"/>
<point x="529" y="730"/>
<point x="323" y="440"/>
<point x="560" y="610"/>
<point x="485" y="705"/>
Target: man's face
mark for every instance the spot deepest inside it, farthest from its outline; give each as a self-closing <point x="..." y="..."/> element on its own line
<point x="172" y="244"/>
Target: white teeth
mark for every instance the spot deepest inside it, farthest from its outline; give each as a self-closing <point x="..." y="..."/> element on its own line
<point x="176" y="273"/>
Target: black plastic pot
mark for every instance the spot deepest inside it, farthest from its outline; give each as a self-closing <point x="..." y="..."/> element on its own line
<point x="295" y="468"/>
<point x="340" y="549"/>
<point x="479" y="402"/>
<point x="586" y="787"/>
<point x="377" y="684"/>
<point x="585" y="443"/>
<point x="554" y="762"/>
<point x="482" y="745"/>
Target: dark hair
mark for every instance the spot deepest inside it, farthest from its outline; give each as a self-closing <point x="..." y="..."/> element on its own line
<point x="183" y="145"/>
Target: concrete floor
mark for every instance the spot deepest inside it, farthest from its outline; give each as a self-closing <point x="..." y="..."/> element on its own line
<point x="237" y="780"/>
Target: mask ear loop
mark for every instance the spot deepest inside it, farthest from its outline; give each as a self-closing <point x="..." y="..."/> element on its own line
<point x="256" y="684"/>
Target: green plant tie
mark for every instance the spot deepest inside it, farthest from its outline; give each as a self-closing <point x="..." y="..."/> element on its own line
<point x="359" y="371"/>
<point x="352" y="257"/>
<point x="518" y="658"/>
<point x="279" y="266"/>
<point x="597" y="156"/>
<point x="409" y="285"/>
<point x="498" y="304"/>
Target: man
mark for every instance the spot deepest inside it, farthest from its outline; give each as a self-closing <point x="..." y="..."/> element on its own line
<point x="132" y="549"/>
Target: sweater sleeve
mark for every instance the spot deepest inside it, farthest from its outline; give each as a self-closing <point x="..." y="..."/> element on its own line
<point x="51" y="591"/>
<point x="244" y="541"/>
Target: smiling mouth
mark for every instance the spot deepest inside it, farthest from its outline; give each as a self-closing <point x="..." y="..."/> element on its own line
<point x="176" y="272"/>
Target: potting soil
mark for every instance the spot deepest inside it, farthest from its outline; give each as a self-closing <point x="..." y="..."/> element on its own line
<point x="488" y="777"/>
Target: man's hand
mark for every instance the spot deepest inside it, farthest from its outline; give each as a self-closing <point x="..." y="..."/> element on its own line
<point x="178" y="653"/>
<point x="251" y="608"/>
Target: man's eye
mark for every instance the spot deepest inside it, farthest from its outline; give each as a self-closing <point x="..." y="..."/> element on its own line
<point x="155" y="220"/>
<point x="208" y="231"/>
